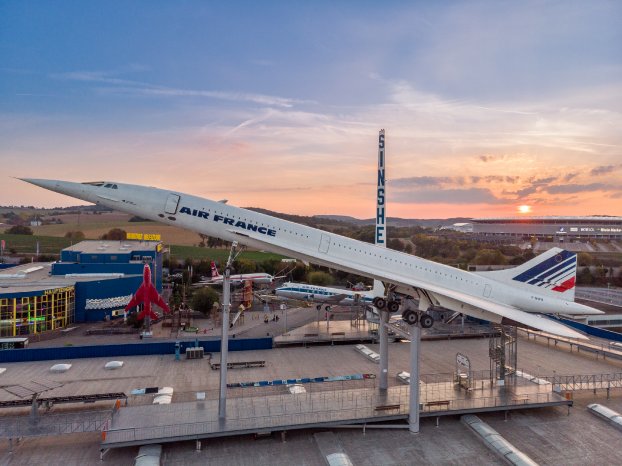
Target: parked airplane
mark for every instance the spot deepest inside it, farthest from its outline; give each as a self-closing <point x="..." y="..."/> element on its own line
<point x="147" y="294"/>
<point x="326" y="295"/>
<point x="544" y="285"/>
<point x="258" y="278"/>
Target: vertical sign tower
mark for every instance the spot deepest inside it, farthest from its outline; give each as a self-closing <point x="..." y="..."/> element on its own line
<point x="381" y="219"/>
<point x="381" y="240"/>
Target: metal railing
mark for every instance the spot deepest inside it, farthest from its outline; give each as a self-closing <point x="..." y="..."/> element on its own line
<point x="584" y="382"/>
<point x="53" y="424"/>
<point x="318" y="409"/>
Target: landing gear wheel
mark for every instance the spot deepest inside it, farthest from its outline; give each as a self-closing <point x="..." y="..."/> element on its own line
<point x="426" y="321"/>
<point x="393" y="306"/>
<point x="327" y="308"/>
<point x="319" y="307"/>
<point x="379" y="302"/>
<point x="410" y="317"/>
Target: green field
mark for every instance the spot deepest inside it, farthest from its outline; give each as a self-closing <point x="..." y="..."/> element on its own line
<point x="27" y="244"/>
<point x="220" y="255"/>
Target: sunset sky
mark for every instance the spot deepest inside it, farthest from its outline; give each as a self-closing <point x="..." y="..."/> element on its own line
<point x="487" y="106"/>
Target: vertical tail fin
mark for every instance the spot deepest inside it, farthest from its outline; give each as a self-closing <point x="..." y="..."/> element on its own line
<point x="215" y="273"/>
<point x="554" y="272"/>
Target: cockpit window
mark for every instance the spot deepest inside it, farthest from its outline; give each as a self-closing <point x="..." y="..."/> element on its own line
<point x="108" y="185"/>
<point x="94" y="183"/>
<point x="114" y="186"/>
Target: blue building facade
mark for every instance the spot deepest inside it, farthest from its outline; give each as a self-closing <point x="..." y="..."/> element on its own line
<point x="116" y="268"/>
<point x="93" y="281"/>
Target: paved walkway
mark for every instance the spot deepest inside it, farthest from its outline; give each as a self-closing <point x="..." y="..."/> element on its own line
<point x="139" y="425"/>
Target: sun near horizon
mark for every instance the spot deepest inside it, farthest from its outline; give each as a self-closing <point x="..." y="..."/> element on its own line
<point x="524" y="209"/>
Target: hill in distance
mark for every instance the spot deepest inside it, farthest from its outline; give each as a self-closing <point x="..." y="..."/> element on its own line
<point x="396" y="221"/>
<point x="315" y="220"/>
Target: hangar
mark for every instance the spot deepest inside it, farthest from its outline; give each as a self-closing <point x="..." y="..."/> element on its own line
<point x="557" y="228"/>
<point x="92" y="281"/>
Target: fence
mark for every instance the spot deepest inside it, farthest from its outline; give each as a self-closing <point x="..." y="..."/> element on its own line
<point x="287" y="411"/>
<point x="130" y="349"/>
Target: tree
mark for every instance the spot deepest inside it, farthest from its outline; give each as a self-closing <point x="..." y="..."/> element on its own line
<point x="215" y="242"/>
<point x="299" y="272"/>
<point x="75" y="235"/>
<point x="320" y="278"/>
<point x="203" y="300"/>
<point x="204" y="240"/>
<point x="136" y="218"/>
<point x="489" y="257"/>
<point x="585" y="277"/>
<point x="116" y="234"/>
<point x="19" y="230"/>
<point x="395" y="244"/>
<point x="584" y="258"/>
<point x="132" y="320"/>
<point x="244" y="266"/>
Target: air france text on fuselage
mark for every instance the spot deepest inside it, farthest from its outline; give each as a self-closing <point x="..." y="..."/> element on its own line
<point x="228" y="221"/>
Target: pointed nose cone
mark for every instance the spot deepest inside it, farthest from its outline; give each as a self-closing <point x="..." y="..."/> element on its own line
<point x="147" y="274"/>
<point x="47" y="184"/>
<point x="64" y="187"/>
<point x="77" y="190"/>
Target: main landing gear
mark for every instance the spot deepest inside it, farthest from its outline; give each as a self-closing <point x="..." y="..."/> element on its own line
<point x="412" y="317"/>
<point x="409" y="316"/>
<point x="380" y="303"/>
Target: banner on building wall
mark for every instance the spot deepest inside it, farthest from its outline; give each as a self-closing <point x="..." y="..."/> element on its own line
<point x="144" y="236"/>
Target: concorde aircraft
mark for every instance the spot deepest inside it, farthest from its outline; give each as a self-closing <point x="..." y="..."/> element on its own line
<point x="543" y="285"/>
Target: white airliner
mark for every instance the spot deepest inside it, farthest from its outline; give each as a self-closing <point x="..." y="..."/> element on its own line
<point x="259" y="278"/>
<point x="326" y="295"/>
<point x="544" y="285"/>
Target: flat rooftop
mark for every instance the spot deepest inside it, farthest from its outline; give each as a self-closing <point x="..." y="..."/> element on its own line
<point x="35" y="276"/>
<point x="112" y="247"/>
<point x="548" y="436"/>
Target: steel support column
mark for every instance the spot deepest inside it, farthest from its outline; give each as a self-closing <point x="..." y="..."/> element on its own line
<point x="224" y="343"/>
<point x="413" y="417"/>
<point x="383" y="333"/>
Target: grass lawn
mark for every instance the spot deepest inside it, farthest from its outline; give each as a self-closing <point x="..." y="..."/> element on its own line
<point x="27" y="244"/>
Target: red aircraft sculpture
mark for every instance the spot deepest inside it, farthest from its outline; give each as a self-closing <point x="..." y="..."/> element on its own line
<point x="147" y="294"/>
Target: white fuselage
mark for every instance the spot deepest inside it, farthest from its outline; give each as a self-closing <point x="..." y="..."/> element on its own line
<point x="323" y="294"/>
<point x="257" y="278"/>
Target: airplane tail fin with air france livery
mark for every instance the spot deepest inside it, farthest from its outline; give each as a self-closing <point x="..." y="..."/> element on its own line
<point x="553" y="272"/>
